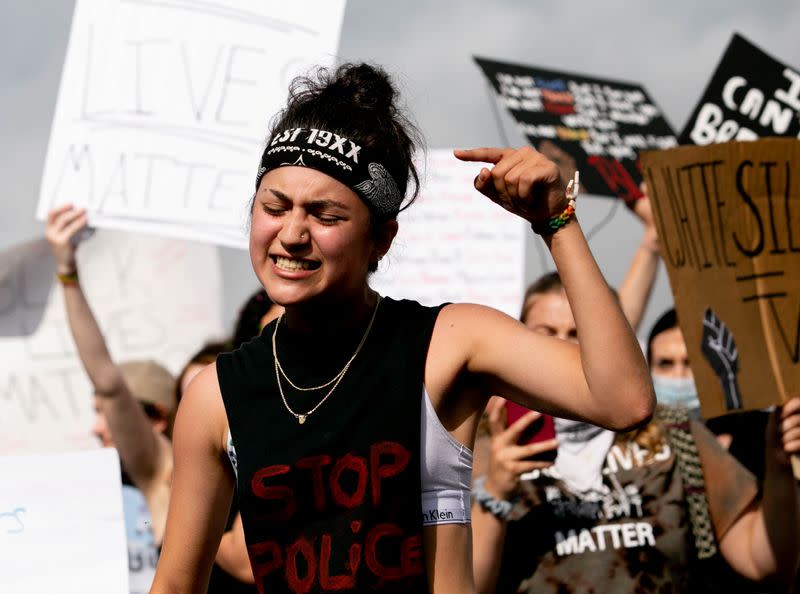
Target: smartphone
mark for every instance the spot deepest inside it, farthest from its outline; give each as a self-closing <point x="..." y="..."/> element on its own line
<point x="541" y="429"/>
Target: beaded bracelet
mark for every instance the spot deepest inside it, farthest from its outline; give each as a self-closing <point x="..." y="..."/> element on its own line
<point x="69" y="279"/>
<point x="555" y="223"/>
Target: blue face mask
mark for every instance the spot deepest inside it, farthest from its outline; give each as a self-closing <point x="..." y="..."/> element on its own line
<point x="676" y="390"/>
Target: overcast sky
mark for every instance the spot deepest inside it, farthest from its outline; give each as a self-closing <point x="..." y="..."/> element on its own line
<point x="669" y="47"/>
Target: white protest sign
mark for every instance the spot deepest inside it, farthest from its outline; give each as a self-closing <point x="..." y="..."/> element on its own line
<point x="61" y="524"/>
<point x="164" y="107"/>
<point x="153" y="298"/>
<point x="454" y="244"/>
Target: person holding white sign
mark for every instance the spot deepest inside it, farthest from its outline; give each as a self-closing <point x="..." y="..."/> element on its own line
<point x="135" y="404"/>
<point x="352" y="416"/>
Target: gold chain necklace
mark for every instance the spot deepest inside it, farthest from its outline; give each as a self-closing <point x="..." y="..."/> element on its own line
<point x="301" y="418"/>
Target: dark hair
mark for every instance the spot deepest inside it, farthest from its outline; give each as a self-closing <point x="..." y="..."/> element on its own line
<point x="358" y="101"/>
<point x="667" y="321"/>
<point x="547" y="283"/>
<point x="248" y="324"/>
<point x="205" y="356"/>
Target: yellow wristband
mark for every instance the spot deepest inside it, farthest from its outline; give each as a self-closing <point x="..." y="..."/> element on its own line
<point x="71" y="278"/>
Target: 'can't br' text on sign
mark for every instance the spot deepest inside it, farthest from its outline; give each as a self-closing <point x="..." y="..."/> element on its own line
<point x="728" y="219"/>
<point x="751" y="95"/>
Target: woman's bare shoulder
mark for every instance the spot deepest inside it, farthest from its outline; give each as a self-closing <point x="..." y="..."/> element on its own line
<point x="202" y="408"/>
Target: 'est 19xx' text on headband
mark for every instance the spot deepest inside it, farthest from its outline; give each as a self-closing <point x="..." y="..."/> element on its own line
<point x="337" y="156"/>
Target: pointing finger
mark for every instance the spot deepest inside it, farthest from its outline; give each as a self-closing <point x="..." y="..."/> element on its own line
<point x="482" y="155"/>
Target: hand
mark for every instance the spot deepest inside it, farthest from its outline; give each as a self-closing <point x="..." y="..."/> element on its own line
<point x="523" y="181"/>
<point x="642" y="208"/>
<point x="783" y="430"/>
<point x="507" y="460"/>
<point x="63" y="223"/>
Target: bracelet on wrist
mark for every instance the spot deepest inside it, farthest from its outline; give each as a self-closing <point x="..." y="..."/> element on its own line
<point x="68" y="279"/>
<point x="555" y="223"/>
<point x="500" y="508"/>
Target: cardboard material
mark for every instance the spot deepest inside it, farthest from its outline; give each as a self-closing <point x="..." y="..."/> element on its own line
<point x="751" y="95"/>
<point x="728" y="219"/>
<point x="593" y="124"/>
<point x="164" y="108"/>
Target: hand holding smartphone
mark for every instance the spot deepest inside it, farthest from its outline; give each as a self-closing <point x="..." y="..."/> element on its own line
<point x="542" y="429"/>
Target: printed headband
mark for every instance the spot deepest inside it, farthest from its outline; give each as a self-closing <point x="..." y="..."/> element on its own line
<point x="337" y="156"/>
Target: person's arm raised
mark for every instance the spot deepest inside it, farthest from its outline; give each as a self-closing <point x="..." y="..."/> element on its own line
<point x="140" y="450"/>
<point x="202" y="489"/>
<point x="636" y="287"/>
<point x="605" y="380"/>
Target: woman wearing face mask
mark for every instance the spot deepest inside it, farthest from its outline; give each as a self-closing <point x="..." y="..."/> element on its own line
<point x="628" y="512"/>
<point x="613" y="513"/>
<point x="669" y="364"/>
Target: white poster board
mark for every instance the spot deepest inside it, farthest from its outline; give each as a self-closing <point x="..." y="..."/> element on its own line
<point x="454" y="244"/>
<point x="61" y="524"/>
<point x="153" y="298"/>
<point x="164" y="107"/>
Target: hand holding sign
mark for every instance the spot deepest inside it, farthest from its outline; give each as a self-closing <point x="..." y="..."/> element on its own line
<point x="63" y="224"/>
<point x="523" y="181"/>
<point x="783" y="434"/>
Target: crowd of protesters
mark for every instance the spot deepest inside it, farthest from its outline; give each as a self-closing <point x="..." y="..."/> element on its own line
<point x="342" y="440"/>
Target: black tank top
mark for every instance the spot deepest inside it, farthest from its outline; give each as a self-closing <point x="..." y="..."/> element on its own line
<point x="332" y="504"/>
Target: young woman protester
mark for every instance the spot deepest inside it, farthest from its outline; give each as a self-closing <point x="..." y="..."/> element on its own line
<point x="352" y="415"/>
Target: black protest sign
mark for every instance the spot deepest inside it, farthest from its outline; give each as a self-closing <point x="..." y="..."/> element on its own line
<point x="598" y="126"/>
<point x="751" y="95"/>
<point x="728" y="218"/>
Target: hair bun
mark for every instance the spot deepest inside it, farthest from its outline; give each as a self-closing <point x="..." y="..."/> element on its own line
<point x="363" y="86"/>
<point x="359" y="102"/>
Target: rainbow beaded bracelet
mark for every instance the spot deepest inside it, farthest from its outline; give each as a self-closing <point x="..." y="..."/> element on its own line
<point x="555" y="223"/>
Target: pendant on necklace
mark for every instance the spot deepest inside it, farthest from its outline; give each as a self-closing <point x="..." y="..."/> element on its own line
<point x="301" y="419"/>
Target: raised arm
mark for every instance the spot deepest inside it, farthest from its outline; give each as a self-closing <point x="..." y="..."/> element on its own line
<point x="636" y="287"/>
<point x="201" y="490"/>
<point x="145" y="456"/>
<point x="604" y="380"/>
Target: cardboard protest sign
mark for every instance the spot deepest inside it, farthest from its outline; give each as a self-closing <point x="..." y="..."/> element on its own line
<point x="454" y="244"/>
<point x="728" y="219"/>
<point x="61" y="524"/>
<point x="596" y="125"/>
<point x="164" y="107"/>
<point x="153" y="299"/>
<point x="750" y="95"/>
